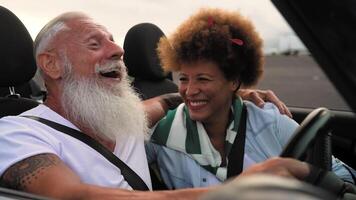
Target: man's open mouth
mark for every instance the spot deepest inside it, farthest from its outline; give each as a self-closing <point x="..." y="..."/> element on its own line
<point x="110" y="74"/>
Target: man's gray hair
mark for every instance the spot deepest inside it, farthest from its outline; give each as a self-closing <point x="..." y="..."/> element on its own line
<point x="52" y="28"/>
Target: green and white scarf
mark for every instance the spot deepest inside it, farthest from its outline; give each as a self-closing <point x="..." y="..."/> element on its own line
<point x="177" y="131"/>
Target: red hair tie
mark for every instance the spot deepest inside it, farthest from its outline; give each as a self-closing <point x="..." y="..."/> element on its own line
<point x="237" y="41"/>
<point x="210" y="21"/>
<point x="234" y="40"/>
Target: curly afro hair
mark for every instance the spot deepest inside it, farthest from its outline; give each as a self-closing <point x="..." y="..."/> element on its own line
<point x="208" y="36"/>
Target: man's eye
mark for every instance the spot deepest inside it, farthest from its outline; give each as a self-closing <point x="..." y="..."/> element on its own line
<point x="94" y="45"/>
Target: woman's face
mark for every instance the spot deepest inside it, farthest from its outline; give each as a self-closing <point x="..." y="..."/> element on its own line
<point x="205" y="91"/>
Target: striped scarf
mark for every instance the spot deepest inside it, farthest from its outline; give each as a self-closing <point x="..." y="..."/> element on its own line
<point x="177" y="131"/>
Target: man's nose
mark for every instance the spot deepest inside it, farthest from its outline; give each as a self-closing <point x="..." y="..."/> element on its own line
<point x="115" y="52"/>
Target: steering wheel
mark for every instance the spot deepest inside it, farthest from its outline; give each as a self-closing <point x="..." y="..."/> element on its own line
<point x="311" y="143"/>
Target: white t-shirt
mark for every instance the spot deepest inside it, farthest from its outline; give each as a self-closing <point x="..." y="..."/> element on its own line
<point x="21" y="138"/>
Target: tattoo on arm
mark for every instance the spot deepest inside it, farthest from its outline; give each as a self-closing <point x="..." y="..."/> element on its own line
<point x="20" y="175"/>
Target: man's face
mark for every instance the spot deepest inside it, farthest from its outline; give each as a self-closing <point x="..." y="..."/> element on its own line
<point x="95" y="90"/>
<point x="89" y="46"/>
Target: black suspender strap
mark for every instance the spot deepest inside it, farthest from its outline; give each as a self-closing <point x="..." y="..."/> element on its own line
<point x="236" y="155"/>
<point x="129" y="175"/>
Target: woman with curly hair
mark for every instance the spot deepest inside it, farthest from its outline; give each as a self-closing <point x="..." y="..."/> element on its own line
<point x="215" y="135"/>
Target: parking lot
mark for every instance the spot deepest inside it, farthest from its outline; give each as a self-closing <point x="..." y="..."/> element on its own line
<point x="299" y="82"/>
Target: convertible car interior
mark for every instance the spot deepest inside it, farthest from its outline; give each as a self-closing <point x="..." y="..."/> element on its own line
<point x="18" y="65"/>
<point x="326" y="28"/>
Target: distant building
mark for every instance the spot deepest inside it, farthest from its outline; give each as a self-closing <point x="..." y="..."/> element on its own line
<point x="285" y="44"/>
<point x="290" y="44"/>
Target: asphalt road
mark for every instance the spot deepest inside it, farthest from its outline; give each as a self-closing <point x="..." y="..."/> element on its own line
<point x="299" y="81"/>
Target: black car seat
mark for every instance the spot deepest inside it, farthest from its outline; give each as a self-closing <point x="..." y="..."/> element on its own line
<point x="143" y="65"/>
<point x="17" y="64"/>
<point x="142" y="61"/>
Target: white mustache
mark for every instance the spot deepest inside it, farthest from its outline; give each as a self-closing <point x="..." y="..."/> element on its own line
<point x="110" y="66"/>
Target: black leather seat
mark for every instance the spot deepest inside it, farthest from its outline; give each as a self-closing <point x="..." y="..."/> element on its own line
<point x="142" y="62"/>
<point x="17" y="67"/>
<point x="17" y="64"/>
<point x="143" y="65"/>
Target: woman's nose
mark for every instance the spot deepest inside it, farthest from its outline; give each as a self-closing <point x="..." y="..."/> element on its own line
<point x="192" y="89"/>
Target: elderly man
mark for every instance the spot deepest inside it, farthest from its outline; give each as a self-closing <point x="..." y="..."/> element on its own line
<point x="87" y="91"/>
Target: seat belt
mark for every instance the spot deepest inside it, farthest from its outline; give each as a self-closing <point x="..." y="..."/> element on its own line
<point x="236" y="155"/>
<point x="129" y="175"/>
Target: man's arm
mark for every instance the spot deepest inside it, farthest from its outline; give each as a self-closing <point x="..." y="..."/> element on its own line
<point x="47" y="175"/>
<point x="157" y="107"/>
<point x="286" y="167"/>
<point x="43" y="174"/>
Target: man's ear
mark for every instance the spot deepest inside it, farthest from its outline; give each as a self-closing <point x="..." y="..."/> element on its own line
<point x="49" y="64"/>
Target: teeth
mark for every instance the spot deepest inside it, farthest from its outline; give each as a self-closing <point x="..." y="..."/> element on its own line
<point x="108" y="70"/>
<point x="198" y="103"/>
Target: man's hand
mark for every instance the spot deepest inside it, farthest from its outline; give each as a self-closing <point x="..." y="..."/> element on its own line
<point x="171" y="101"/>
<point x="157" y="107"/>
<point x="285" y="167"/>
<point x="259" y="97"/>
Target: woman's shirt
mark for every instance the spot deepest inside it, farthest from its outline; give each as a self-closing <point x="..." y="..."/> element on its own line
<point x="267" y="132"/>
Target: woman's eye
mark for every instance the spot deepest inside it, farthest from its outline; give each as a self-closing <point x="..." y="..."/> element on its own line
<point x="203" y="79"/>
<point x="181" y="79"/>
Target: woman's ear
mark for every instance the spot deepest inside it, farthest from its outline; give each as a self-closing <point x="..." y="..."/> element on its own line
<point x="48" y="62"/>
<point x="235" y="85"/>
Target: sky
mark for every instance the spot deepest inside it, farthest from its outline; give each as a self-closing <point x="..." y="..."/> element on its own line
<point x="119" y="15"/>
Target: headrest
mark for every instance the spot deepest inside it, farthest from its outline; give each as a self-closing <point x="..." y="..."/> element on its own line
<point x="17" y="64"/>
<point x="140" y="52"/>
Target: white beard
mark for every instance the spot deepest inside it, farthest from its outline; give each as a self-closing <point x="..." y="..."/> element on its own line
<point x="110" y="113"/>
